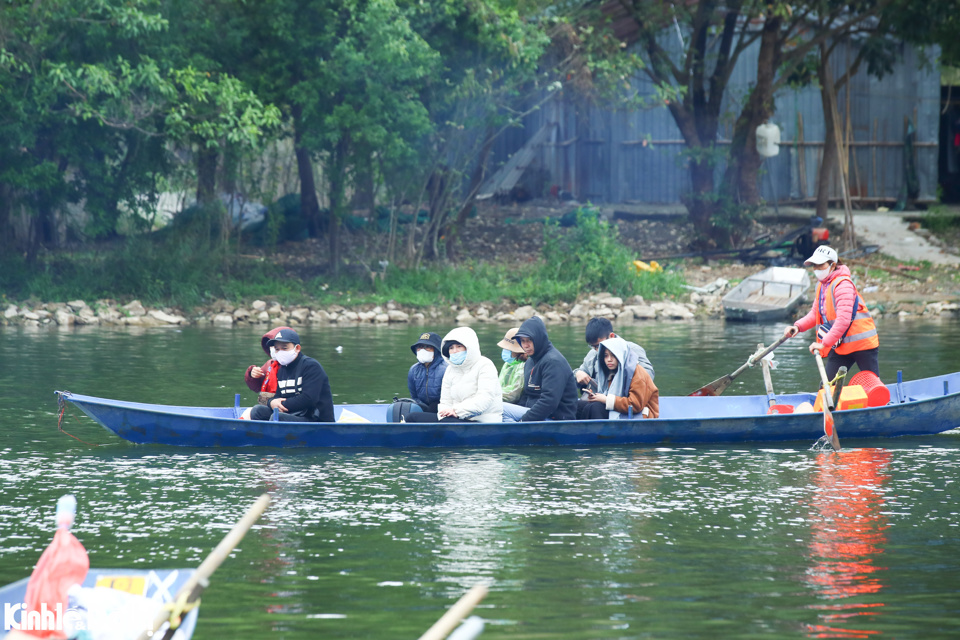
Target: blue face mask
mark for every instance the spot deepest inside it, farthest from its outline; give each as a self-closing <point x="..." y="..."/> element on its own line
<point x="458" y="357"/>
<point x="507" y="355"/>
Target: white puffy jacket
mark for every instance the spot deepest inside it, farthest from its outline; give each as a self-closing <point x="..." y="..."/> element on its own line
<point x="471" y="389"/>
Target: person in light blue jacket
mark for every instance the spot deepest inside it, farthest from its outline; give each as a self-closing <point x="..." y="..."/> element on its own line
<point x="425" y="378"/>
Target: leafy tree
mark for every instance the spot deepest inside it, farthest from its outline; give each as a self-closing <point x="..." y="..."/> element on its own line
<point x="90" y="106"/>
<point x="492" y="70"/>
<point x="715" y="35"/>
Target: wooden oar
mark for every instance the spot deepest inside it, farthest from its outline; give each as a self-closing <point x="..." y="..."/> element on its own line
<point x="767" y="380"/>
<point x="718" y="386"/>
<point x="442" y="627"/>
<point x="829" y="429"/>
<point x="195" y="585"/>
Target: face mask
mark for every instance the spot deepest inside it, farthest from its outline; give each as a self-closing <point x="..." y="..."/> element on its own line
<point x="424" y="356"/>
<point x="821" y="273"/>
<point x="286" y="357"/>
<point x="458" y="357"/>
<point x="273" y="353"/>
<point x="507" y="355"/>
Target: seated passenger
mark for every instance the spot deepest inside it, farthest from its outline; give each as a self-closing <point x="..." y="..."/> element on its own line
<point x="620" y="388"/>
<point x="470" y="391"/>
<point x="425" y="377"/>
<point x="263" y="379"/>
<point x="550" y="390"/>
<point x="303" y="389"/>
<point x="511" y="373"/>
<point x="600" y="329"/>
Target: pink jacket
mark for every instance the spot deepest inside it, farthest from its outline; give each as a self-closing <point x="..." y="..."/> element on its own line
<point x="845" y="295"/>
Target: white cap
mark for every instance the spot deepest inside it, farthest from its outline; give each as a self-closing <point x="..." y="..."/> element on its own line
<point x="822" y="255"/>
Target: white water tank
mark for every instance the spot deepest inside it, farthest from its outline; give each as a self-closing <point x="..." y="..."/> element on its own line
<point x="768" y="140"/>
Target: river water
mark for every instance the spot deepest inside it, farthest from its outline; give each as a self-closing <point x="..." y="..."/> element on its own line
<point x="614" y="542"/>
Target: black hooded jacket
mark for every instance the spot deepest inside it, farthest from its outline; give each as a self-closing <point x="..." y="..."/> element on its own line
<point x="550" y="390"/>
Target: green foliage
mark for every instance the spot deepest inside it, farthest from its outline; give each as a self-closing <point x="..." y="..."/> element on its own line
<point x="175" y="271"/>
<point x="589" y="258"/>
<point x="95" y="94"/>
<point x="940" y="220"/>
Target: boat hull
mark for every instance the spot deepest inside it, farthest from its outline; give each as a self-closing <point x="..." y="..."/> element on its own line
<point x="159" y="584"/>
<point x="768" y="296"/>
<point x="928" y="407"/>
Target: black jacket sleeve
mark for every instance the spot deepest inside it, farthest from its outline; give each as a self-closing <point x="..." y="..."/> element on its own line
<point x="552" y="384"/>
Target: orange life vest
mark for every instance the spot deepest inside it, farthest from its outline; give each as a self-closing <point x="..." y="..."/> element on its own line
<point x="862" y="332"/>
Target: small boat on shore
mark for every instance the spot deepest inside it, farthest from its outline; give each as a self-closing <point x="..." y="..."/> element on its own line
<point x="770" y="295"/>
<point x="918" y="407"/>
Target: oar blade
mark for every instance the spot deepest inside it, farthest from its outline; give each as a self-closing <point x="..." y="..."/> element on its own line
<point x="830" y="429"/>
<point x="715" y="388"/>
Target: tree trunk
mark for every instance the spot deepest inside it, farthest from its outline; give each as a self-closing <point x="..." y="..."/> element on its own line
<point x="309" y="205"/>
<point x="7" y="239"/>
<point x="829" y="163"/>
<point x="476" y="180"/>
<point x="338" y="172"/>
<point x="740" y="180"/>
<point x="700" y="203"/>
<point x="207" y="159"/>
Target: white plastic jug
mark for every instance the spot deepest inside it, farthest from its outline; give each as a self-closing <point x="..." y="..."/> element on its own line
<point x="768" y="140"/>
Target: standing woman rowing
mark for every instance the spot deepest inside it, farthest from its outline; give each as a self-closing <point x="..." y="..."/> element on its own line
<point x="844" y="325"/>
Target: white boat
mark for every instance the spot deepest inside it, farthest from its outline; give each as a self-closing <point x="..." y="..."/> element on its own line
<point x="772" y="294"/>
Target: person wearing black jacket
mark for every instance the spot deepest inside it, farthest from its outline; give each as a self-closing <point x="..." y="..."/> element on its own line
<point x="303" y="388"/>
<point x="550" y="390"/>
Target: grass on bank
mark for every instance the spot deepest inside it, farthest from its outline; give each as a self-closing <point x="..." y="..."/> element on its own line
<point x="181" y="272"/>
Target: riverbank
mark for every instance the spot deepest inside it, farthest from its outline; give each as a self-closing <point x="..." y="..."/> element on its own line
<point x="512" y="236"/>
<point x="886" y="294"/>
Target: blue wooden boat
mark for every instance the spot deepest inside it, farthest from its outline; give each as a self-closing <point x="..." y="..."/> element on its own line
<point x="917" y="407"/>
<point x="159" y="584"/>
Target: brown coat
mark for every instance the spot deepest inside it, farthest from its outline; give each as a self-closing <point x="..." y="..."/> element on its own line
<point x="643" y="394"/>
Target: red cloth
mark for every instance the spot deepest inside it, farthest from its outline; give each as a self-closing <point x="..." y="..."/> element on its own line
<point x="63" y="564"/>
<point x="267" y="383"/>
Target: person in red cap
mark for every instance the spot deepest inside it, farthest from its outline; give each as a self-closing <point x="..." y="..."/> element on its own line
<point x="263" y="379"/>
<point x="844" y="325"/>
<point x="303" y="388"/>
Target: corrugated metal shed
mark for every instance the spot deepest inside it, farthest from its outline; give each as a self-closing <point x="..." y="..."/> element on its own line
<point x="605" y="156"/>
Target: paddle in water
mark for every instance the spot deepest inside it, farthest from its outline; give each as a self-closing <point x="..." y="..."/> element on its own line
<point x="719" y="385"/>
<point x="829" y="428"/>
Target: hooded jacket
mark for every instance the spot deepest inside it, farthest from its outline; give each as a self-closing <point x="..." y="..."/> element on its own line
<point x="589" y="365"/>
<point x="471" y="389"/>
<point x="550" y="391"/>
<point x="268" y="383"/>
<point x="630" y="385"/>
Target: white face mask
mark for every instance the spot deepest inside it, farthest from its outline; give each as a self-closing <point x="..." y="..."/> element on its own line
<point x="286" y="357"/>
<point x="424" y="356"/>
<point x="273" y="353"/>
<point x="821" y="273"/>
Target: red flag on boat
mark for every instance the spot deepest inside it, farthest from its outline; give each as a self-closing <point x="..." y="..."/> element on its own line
<point x="63" y="564"/>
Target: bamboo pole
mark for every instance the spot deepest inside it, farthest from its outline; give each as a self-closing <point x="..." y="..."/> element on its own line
<point x="849" y="237"/>
<point x="442" y="627"/>
<point x="863" y="263"/>
<point x="198" y="581"/>
<point x="873" y="158"/>
<point x="801" y="157"/>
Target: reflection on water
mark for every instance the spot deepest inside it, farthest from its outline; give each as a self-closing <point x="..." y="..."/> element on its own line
<point x="619" y="542"/>
<point x="847" y="541"/>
